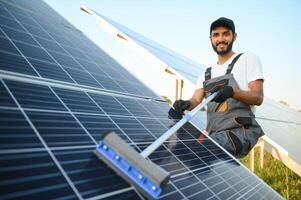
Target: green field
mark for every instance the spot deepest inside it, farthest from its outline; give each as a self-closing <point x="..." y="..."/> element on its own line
<point x="277" y="175"/>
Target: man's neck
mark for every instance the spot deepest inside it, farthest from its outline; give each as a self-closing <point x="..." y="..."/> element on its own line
<point x="223" y="58"/>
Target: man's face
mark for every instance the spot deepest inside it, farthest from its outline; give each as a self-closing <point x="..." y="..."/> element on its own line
<point x="222" y="40"/>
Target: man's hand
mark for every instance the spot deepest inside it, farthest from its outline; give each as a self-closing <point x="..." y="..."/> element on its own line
<point x="180" y="106"/>
<point x="223" y="93"/>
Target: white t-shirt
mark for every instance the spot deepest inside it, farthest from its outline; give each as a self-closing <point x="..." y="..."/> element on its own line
<point x="246" y="69"/>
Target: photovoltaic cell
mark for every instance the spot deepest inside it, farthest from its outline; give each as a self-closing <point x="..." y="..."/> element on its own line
<point x="160" y="110"/>
<point x="5" y="98"/>
<point x="34" y="96"/>
<point x="16" y="132"/>
<point x="7" y="46"/>
<point x="51" y="70"/>
<point x="6" y="21"/>
<point x="51" y="46"/>
<point x="82" y="77"/>
<point x="77" y="101"/>
<point x="65" y="60"/>
<point x="110" y="104"/>
<point x="134" y="129"/>
<point x="87" y="174"/>
<point x="31" y="176"/>
<point x="37" y="32"/>
<point x="17" y="35"/>
<point x="134" y="107"/>
<point x="96" y="124"/>
<point x="123" y="196"/>
<point x="32" y="51"/>
<point x="78" y="55"/>
<point x="15" y="63"/>
<point x="49" y="130"/>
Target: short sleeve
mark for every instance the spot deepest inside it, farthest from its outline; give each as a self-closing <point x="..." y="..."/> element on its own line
<point x="254" y="68"/>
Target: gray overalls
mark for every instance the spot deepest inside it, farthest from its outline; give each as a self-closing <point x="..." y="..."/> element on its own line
<point x="231" y="123"/>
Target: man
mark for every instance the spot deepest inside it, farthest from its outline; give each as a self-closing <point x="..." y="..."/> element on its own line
<point x="238" y="80"/>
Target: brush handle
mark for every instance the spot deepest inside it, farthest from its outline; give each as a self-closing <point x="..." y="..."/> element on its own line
<point x="187" y="117"/>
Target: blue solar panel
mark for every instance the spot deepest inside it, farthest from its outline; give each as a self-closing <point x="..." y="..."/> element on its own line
<point x="49" y="129"/>
<point x="66" y="55"/>
<point x="72" y="133"/>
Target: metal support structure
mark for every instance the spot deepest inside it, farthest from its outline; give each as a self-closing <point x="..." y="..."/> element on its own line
<point x="267" y="145"/>
<point x="177" y="88"/>
<point x="281" y="154"/>
<point x="181" y="88"/>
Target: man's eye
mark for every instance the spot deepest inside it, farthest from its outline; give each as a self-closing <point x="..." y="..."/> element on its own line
<point x="227" y="34"/>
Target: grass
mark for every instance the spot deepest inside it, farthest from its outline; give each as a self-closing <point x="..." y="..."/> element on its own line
<point x="277" y="175"/>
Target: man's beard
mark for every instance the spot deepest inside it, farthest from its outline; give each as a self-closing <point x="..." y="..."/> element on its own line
<point x="223" y="52"/>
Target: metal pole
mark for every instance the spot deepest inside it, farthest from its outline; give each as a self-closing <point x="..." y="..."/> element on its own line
<point x="151" y="148"/>
<point x="181" y="88"/>
<point x="177" y="88"/>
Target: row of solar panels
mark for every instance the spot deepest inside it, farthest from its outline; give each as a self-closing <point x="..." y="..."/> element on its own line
<point x="59" y="93"/>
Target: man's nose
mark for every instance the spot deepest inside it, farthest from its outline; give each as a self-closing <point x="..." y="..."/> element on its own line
<point x="220" y="38"/>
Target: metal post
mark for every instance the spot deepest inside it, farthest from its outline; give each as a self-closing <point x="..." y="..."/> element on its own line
<point x="177" y="86"/>
<point x="181" y="88"/>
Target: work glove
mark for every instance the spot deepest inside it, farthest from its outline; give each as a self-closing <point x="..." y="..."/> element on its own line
<point x="224" y="93"/>
<point x="180" y="106"/>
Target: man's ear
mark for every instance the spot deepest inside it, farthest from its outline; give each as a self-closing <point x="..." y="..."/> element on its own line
<point x="234" y="36"/>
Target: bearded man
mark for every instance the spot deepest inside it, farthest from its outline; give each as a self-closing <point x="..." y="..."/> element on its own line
<point x="238" y="79"/>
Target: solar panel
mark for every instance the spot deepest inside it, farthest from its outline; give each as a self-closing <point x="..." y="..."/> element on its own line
<point x="277" y="119"/>
<point x="54" y="108"/>
<point x="182" y="65"/>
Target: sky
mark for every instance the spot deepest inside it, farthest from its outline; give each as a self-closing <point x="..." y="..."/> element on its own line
<point x="271" y="29"/>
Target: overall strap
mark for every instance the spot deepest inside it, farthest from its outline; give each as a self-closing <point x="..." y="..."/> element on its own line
<point x="208" y="73"/>
<point x="231" y="65"/>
